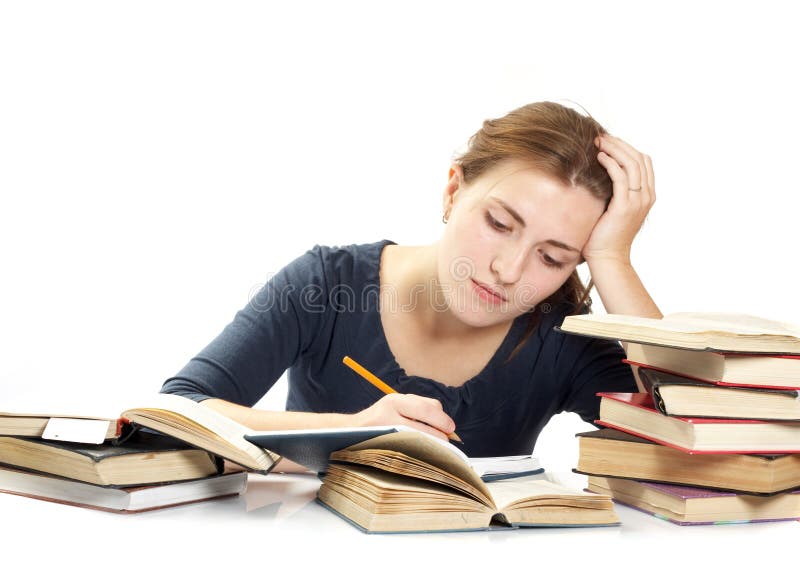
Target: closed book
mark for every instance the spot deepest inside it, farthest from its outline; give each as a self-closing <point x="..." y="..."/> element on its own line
<point x="728" y="332"/>
<point x="613" y="453"/>
<point x="34" y="424"/>
<point x="636" y="414"/>
<point x="120" y="500"/>
<point x="693" y="506"/>
<point x="144" y="459"/>
<point x="723" y="368"/>
<point x="411" y="482"/>
<point x="676" y="395"/>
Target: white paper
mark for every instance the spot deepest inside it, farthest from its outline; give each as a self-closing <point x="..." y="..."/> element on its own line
<point x="76" y="430"/>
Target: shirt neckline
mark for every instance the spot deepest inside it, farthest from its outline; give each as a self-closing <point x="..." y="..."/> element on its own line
<point x="400" y="373"/>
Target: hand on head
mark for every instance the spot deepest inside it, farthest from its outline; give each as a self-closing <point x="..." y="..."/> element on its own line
<point x="419" y="412"/>
<point x="633" y="181"/>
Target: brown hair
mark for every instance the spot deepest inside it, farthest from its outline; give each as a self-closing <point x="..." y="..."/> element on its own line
<point x="560" y="142"/>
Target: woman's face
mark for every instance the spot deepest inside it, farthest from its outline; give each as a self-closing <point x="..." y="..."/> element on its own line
<point x="512" y="230"/>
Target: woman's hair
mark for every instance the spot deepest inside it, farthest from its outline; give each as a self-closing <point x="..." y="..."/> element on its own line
<point x="559" y="142"/>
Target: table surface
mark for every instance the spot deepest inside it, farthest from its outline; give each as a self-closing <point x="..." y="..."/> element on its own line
<point x="277" y="517"/>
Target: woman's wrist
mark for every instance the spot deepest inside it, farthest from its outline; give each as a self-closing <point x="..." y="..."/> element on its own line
<point x="620" y="288"/>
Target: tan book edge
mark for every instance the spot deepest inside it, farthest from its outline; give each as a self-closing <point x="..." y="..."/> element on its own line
<point x="709" y="509"/>
<point x="718" y="331"/>
<point x="155" y="459"/>
<point x="617" y="454"/>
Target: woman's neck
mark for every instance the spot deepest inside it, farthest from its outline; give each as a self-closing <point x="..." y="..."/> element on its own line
<point x="412" y="272"/>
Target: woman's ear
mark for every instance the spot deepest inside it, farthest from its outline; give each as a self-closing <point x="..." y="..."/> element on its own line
<point x="455" y="181"/>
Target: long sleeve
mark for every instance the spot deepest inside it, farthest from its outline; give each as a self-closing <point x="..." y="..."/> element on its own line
<point x="276" y="327"/>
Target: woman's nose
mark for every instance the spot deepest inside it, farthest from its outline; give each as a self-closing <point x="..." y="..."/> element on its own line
<point x="508" y="264"/>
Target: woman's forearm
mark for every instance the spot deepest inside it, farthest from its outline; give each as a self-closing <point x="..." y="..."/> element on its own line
<point x="256" y="419"/>
<point x="621" y="290"/>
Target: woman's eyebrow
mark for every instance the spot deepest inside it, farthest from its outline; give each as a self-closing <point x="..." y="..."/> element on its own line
<point x="512" y="212"/>
<point x="564" y="246"/>
<point x="518" y="218"/>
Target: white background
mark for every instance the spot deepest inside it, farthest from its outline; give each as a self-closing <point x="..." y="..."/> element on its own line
<point x="158" y="160"/>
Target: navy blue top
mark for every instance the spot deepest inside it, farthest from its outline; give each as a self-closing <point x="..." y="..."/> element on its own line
<point x="325" y="305"/>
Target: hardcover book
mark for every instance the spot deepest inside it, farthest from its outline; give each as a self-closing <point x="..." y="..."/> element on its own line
<point x="144" y="459"/>
<point x="31" y="424"/>
<point x="675" y="395"/>
<point x="636" y="414"/>
<point x="408" y="482"/>
<point x="613" y="453"/>
<point x="693" y="506"/>
<point x="713" y="331"/>
<point x="735" y="369"/>
<point x="120" y="500"/>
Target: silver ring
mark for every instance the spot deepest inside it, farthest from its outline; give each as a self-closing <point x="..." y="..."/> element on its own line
<point x="634" y="189"/>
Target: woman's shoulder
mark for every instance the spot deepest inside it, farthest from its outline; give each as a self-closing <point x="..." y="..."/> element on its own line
<point x="351" y="254"/>
<point x="359" y="251"/>
<point x="350" y="263"/>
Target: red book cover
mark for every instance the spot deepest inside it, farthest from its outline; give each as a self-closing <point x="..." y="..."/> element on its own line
<point x="644" y="401"/>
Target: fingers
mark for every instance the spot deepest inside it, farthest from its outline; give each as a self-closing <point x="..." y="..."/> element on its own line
<point x="422" y="427"/>
<point x="629" y="170"/>
<point x="419" y="412"/>
<point x="628" y="158"/>
<point x="617" y="174"/>
<point x="426" y="410"/>
<point x="651" y="178"/>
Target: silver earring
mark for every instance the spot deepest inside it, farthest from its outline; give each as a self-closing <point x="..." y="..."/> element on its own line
<point x="444" y="218"/>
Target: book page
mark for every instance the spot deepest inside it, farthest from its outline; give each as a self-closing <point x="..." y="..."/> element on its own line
<point x="499" y="466"/>
<point x="736" y="323"/>
<point x="531" y="488"/>
<point x="199" y="425"/>
<point x="428" y="449"/>
<point x="695" y="322"/>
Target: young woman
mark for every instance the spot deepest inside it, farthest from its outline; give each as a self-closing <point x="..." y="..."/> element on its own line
<point x="464" y="327"/>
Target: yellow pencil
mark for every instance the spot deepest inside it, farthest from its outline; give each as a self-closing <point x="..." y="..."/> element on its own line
<point x="386" y="389"/>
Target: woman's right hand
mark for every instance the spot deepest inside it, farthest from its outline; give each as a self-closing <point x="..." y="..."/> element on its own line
<point x="419" y="412"/>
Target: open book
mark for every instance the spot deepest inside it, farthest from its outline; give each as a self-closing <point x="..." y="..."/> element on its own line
<point x="713" y="331"/>
<point x="409" y="482"/>
<point x="169" y="414"/>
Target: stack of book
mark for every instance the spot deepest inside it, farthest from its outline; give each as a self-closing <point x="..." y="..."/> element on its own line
<point x="165" y="454"/>
<point x="713" y="436"/>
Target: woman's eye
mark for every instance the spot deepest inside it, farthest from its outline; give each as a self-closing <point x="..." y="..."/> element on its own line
<point x="553" y="263"/>
<point x="495" y="223"/>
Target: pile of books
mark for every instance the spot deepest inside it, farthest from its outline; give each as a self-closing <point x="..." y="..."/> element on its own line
<point x="713" y="436"/>
<point x="168" y="453"/>
<point x="380" y="479"/>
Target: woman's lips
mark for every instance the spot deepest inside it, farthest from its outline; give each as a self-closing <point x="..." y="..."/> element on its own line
<point x="487" y="293"/>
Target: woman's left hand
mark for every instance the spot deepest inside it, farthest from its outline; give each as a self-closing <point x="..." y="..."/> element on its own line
<point x="634" y="193"/>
